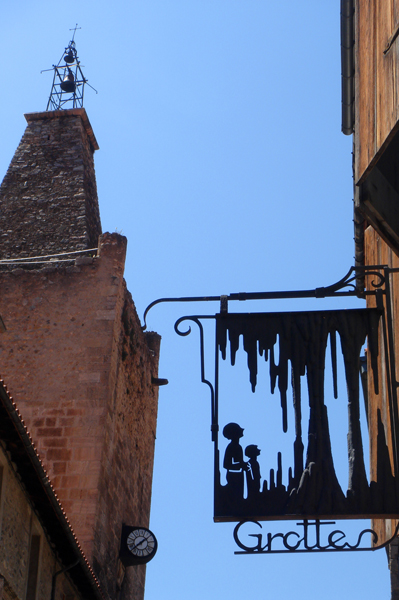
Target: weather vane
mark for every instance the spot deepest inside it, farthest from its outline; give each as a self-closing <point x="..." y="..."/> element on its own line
<point x="68" y="81"/>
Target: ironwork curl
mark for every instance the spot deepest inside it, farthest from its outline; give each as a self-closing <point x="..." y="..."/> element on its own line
<point x="196" y="320"/>
<point x="378" y="275"/>
<point x="176" y="327"/>
<point x="342" y="283"/>
<point x="353" y="274"/>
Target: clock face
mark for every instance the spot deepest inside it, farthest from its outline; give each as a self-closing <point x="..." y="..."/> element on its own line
<point x="141" y="542"/>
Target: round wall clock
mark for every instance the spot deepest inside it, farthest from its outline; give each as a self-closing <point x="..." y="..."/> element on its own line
<point x="138" y="545"/>
<point x="142" y="543"/>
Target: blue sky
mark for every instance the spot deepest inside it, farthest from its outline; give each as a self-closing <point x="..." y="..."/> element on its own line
<point x="222" y="160"/>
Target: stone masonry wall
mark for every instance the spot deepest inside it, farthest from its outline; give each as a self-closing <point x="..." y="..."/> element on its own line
<point x="79" y="368"/>
<point x="17" y="522"/>
<point x="48" y="198"/>
<point x="55" y="359"/>
<point x="127" y="465"/>
<point x="74" y="356"/>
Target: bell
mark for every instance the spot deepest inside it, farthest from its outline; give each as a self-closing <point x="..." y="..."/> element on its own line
<point x="68" y="85"/>
<point x="69" y="57"/>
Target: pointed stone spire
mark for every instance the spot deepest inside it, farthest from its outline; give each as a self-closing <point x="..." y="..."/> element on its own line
<point x="48" y="198"/>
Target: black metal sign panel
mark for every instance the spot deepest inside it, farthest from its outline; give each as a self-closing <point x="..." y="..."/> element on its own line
<point x="311" y="489"/>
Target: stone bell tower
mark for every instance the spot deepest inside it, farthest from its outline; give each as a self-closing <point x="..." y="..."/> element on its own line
<point x="74" y="357"/>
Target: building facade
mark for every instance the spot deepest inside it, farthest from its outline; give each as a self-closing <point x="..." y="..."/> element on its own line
<point x="371" y="53"/>
<point x="80" y="368"/>
<point x="40" y="556"/>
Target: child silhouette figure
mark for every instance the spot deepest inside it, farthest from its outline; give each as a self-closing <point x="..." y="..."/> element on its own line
<point x="252" y="470"/>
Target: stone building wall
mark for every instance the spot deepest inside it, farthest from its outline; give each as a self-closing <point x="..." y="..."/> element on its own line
<point x="127" y="465"/>
<point x="74" y="356"/>
<point x="17" y="524"/>
<point x="80" y="370"/>
<point x="48" y="198"/>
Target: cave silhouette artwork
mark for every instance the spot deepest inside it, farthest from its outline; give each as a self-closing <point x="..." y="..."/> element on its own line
<point x="300" y="340"/>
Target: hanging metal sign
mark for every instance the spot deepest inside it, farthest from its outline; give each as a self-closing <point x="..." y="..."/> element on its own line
<point x="292" y="348"/>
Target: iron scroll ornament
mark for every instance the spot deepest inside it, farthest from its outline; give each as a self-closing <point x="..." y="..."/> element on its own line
<point x="197" y="321"/>
<point x="313" y="491"/>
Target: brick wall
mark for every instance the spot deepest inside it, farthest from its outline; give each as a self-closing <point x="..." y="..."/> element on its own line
<point x="17" y="523"/>
<point x="126" y="468"/>
<point x="74" y="356"/>
<point x="48" y="198"/>
<point x="79" y="368"/>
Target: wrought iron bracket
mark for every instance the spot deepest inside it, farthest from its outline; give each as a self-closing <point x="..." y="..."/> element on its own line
<point x="344" y="287"/>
